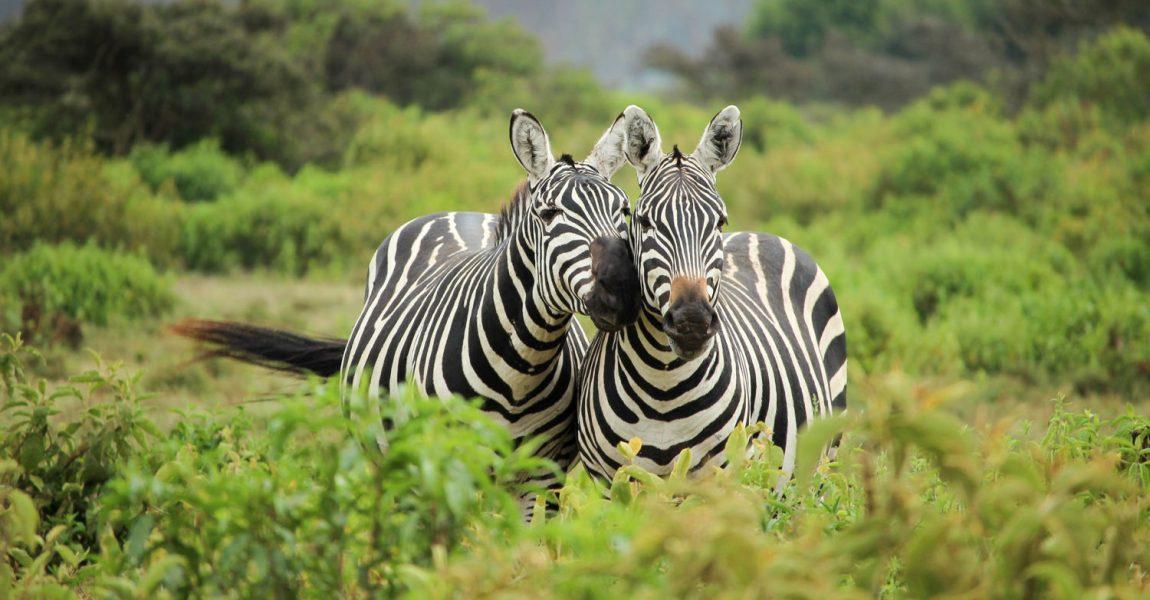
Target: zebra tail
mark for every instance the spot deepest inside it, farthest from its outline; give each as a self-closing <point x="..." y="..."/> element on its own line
<point x="265" y="347"/>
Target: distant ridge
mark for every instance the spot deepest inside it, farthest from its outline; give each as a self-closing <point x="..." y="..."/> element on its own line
<point x="610" y="36"/>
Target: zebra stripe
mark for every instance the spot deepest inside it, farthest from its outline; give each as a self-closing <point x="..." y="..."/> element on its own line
<point x="774" y="350"/>
<point x="480" y="306"/>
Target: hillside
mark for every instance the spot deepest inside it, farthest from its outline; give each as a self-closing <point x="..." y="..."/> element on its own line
<point x="613" y="48"/>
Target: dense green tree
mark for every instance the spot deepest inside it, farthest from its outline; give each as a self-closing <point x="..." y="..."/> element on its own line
<point x="173" y="73"/>
<point x="888" y="52"/>
<point x="261" y="76"/>
<point x="433" y="58"/>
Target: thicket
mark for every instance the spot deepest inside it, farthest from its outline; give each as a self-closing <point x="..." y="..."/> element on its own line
<point x="263" y="77"/>
<point x="888" y="53"/>
<point x="50" y="292"/>
<point x="93" y="500"/>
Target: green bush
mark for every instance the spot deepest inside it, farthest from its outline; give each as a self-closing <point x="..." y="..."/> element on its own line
<point x="83" y="284"/>
<point x="918" y="503"/>
<point x="917" y="506"/>
<point x="253" y="229"/>
<point x="58" y="449"/>
<point x="52" y="193"/>
<point x="219" y="506"/>
<point x="199" y="172"/>
<point x="1111" y="73"/>
<point x="962" y="160"/>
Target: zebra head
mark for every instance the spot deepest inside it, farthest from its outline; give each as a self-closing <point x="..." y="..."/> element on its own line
<point x="583" y="261"/>
<point x="676" y="232"/>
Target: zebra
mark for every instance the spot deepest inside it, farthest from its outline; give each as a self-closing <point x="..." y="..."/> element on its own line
<point x="735" y="328"/>
<point x="480" y="305"/>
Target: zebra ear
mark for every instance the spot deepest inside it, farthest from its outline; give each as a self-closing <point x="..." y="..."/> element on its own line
<point x="642" y="145"/>
<point x="721" y="140"/>
<point x="531" y="146"/>
<point x="607" y="155"/>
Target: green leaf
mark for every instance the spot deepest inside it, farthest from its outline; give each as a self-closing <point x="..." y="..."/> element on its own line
<point x="682" y="465"/>
<point x="811" y="444"/>
<point x="736" y="449"/>
<point x="138" y="536"/>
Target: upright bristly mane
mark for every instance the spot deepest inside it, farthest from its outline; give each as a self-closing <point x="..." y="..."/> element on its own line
<point x="513" y="211"/>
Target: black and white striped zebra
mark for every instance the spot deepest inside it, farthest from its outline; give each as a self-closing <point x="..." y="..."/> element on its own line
<point x="480" y="305"/>
<point x="735" y="328"/>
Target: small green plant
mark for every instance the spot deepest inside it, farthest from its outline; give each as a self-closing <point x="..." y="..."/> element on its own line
<point x="59" y="446"/>
<point x="60" y="288"/>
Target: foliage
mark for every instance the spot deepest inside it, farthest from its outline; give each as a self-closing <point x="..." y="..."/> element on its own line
<point x="182" y="69"/>
<point x="1111" y="73"/>
<point x="66" y="284"/>
<point x="916" y="504"/>
<point x="198" y="172"/>
<point x="890" y="52"/>
<point x="219" y="506"/>
<point x="54" y="193"/>
<point x="261" y="77"/>
<point x="434" y="59"/>
<point x="58" y="448"/>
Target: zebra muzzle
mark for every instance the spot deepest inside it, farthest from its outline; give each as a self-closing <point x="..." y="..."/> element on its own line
<point x="613" y="301"/>
<point x="690" y="322"/>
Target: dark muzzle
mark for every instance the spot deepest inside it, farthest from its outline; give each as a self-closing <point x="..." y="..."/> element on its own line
<point x="614" y="300"/>
<point x="691" y="321"/>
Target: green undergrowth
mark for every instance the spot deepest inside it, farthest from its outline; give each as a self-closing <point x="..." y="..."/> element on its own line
<point x="95" y="500"/>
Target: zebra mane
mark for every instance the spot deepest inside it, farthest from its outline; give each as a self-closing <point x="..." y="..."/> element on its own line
<point x="512" y="212"/>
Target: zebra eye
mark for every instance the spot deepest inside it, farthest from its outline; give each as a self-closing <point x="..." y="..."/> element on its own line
<point x="722" y="222"/>
<point x="644" y="222"/>
<point x="626" y="210"/>
<point x="549" y="214"/>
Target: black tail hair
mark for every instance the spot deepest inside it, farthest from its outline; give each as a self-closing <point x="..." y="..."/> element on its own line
<point x="265" y="347"/>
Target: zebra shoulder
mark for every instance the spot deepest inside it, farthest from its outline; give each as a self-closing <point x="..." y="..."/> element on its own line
<point x="763" y="261"/>
<point x="422" y="242"/>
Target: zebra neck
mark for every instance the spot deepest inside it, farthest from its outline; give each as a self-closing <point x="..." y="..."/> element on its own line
<point x="524" y="332"/>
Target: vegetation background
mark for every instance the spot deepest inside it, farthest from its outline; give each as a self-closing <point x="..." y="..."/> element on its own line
<point x="973" y="176"/>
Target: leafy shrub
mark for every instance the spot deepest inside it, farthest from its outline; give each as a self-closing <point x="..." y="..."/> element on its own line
<point x="917" y="505"/>
<point x="305" y="507"/>
<point x="81" y="283"/>
<point x="199" y="172"/>
<point x="965" y="160"/>
<point x="60" y="192"/>
<point x="289" y="234"/>
<point x="1111" y="73"/>
<point x="58" y="448"/>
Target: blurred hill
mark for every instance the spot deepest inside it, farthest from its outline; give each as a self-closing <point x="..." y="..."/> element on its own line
<point x="610" y="37"/>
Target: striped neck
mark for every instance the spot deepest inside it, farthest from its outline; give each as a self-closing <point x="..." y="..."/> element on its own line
<point x="526" y="335"/>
